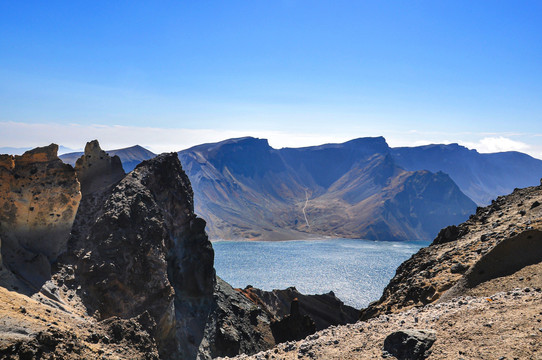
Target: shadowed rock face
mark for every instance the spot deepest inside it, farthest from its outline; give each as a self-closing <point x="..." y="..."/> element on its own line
<point x="138" y="246"/>
<point x="324" y="309"/>
<point x="39" y="197"/>
<point x="97" y="170"/>
<point x="504" y="259"/>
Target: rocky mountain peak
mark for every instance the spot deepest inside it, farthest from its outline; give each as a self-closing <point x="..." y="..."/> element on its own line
<point x="97" y="170"/>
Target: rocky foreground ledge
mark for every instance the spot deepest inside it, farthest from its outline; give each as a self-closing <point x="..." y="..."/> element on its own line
<point x="506" y="325"/>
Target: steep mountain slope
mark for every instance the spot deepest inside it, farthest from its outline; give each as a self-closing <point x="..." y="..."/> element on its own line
<point x="130" y="157"/>
<point x="482" y="177"/>
<point x="246" y="189"/>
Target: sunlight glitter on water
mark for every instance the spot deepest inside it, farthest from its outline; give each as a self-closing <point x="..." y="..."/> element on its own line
<point x="355" y="270"/>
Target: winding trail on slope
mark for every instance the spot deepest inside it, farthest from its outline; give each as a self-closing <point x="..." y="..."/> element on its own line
<point x="304" y="207"/>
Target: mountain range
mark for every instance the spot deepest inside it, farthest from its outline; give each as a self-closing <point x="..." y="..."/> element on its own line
<point x="482" y="177"/>
<point x="361" y="188"/>
<point x="247" y="189"/>
<point x="129" y="157"/>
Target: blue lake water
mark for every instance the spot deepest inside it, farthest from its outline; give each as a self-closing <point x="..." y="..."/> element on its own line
<point x="355" y="270"/>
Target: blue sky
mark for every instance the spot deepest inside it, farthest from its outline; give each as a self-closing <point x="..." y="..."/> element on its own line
<point x="171" y="74"/>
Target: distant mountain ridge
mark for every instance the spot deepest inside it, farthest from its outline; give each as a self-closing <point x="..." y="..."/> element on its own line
<point x="482" y="177"/>
<point x="246" y="189"/>
<point x="130" y="156"/>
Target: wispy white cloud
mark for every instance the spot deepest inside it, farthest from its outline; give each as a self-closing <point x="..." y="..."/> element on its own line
<point x="497" y="144"/>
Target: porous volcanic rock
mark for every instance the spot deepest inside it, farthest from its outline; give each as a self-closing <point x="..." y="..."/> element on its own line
<point x="145" y="250"/>
<point x="39" y="197"/>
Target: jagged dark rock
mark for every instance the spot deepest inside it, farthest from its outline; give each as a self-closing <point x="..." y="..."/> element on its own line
<point x="447" y="234"/>
<point x="409" y="344"/>
<point x="324" y="309"/>
<point x="293" y="326"/>
<point x="232" y="321"/>
<point x="138" y="261"/>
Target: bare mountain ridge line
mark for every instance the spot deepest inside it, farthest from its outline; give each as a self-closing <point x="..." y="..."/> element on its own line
<point x="222" y="194"/>
<point x="355" y="187"/>
<point x="482" y="186"/>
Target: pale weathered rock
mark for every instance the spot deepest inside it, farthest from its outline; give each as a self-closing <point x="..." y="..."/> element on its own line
<point x="39" y="197"/>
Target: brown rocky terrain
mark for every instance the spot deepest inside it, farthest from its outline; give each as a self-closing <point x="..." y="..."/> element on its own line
<point x="506" y="325"/>
<point x="474" y="293"/>
<point x="501" y="238"/>
<point x="128" y="274"/>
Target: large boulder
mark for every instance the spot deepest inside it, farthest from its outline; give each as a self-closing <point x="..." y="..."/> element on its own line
<point x="409" y="344"/>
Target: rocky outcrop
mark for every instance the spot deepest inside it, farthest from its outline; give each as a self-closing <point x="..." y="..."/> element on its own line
<point x="130" y="157"/>
<point x="506" y="258"/>
<point x="96" y="170"/>
<point x="324" y="309"/>
<point x="137" y="246"/>
<point x="39" y="197"/>
<point x="137" y="268"/>
<point x="235" y="325"/>
<point x="497" y="241"/>
<point x="145" y="250"/>
<point x="293" y="326"/>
